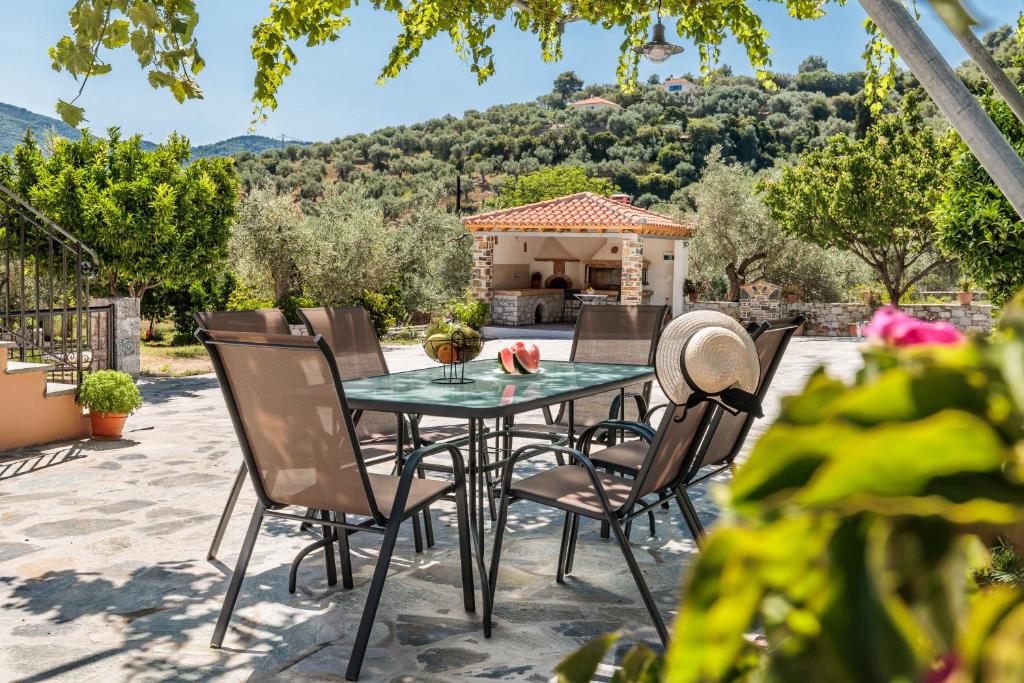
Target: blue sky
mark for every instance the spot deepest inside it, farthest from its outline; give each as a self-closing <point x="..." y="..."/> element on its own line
<point x="333" y="90"/>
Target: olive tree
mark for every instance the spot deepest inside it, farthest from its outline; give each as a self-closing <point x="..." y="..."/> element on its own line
<point x="736" y="237"/>
<point x="269" y="241"/>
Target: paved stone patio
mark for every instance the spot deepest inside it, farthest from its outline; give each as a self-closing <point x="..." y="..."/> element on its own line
<point x="103" y="576"/>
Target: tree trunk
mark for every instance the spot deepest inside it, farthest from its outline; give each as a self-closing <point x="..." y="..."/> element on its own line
<point x="996" y="76"/>
<point x="735" y="280"/>
<point x="953" y="98"/>
<point x="894" y="292"/>
<point x="282" y="286"/>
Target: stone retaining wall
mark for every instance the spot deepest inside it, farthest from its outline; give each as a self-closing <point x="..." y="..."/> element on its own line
<point x="835" y="319"/>
<point x="513" y="311"/>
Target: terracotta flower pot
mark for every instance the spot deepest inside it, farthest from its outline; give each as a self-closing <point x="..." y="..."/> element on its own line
<point x="853" y="329"/>
<point x="966" y="298"/>
<point x="107" y="425"/>
<point x="869" y="298"/>
<point x="791" y="298"/>
<point x="693" y="298"/>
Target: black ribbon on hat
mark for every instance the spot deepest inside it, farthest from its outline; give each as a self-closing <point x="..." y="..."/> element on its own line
<point x="733" y="399"/>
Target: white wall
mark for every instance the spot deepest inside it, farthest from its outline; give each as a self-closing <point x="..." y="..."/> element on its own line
<point x="509" y="249"/>
<point x="660" y="272"/>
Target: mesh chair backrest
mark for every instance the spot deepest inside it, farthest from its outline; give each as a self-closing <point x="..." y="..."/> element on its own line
<point x="292" y="421"/>
<point x="263" y="321"/>
<point x="731" y="432"/>
<point x="615" y="334"/>
<point x="677" y="446"/>
<point x="350" y="334"/>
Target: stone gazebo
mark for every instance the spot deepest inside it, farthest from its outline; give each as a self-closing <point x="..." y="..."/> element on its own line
<point x="527" y="260"/>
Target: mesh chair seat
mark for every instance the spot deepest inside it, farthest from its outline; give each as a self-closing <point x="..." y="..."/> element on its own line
<point x="423" y="490"/>
<point x="553" y="428"/>
<point x="569" y="488"/>
<point x="625" y="456"/>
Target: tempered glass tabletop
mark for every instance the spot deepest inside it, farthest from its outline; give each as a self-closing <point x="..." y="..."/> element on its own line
<point x="492" y="393"/>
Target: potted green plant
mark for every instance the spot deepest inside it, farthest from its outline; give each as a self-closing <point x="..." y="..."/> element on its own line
<point x="966" y="294"/>
<point x="692" y="290"/>
<point x="110" y="396"/>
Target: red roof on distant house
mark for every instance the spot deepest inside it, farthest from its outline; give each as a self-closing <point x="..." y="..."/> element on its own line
<point x="593" y="101"/>
<point x="584" y="212"/>
<point x="678" y="79"/>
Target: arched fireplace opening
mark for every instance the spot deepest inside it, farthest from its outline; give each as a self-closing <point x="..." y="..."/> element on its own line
<point x="558" y="281"/>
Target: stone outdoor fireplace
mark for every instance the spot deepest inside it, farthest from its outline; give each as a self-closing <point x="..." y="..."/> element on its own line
<point x="558" y="281"/>
<point x="529" y="260"/>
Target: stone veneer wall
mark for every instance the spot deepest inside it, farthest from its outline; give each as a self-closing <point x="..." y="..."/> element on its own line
<point x="632" y="269"/>
<point x="513" y="311"/>
<point x="483" y="266"/>
<point x="127" y="331"/>
<point x="834" y="320"/>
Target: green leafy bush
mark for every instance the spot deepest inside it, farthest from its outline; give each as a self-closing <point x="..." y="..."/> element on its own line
<point x="385" y="308"/>
<point x="110" y="391"/>
<point x="211" y="294"/>
<point x="290" y="306"/>
<point x="852" y="526"/>
<point x="245" y="299"/>
<point x="470" y="311"/>
<point x="975" y="222"/>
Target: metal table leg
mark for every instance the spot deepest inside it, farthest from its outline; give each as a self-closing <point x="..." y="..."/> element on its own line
<point x="476" y="492"/>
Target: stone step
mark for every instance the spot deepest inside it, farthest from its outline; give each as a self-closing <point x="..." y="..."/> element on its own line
<point x="15" y="367"/>
<point x="7" y="344"/>
<point x="58" y="389"/>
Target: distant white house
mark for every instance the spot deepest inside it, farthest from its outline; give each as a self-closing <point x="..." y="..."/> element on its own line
<point x="678" y="85"/>
<point x="594" y="103"/>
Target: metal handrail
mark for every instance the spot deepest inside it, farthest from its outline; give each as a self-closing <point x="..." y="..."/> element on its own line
<point x="45" y="274"/>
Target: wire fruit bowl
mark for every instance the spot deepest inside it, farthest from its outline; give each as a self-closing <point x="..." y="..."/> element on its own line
<point x="453" y="351"/>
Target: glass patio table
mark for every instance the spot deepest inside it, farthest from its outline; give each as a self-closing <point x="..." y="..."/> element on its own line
<point x="492" y="394"/>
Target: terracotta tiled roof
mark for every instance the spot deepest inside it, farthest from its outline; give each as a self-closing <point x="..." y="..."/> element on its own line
<point x="593" y="100"/>
<point x="584" y="212"/>
<point x="678" y="79"/>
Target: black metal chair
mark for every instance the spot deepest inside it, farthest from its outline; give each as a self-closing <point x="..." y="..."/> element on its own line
<point x="299" y="443"/>
<point x="264" y="321"/>
<point x="570" y="305"/>
<point x="607" y="334"/>
<point x="580" y="490"/>
<point x="626" y="458"/>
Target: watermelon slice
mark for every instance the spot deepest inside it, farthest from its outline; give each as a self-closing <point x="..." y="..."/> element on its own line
<point x="527" y="359"/>
<point x="506" y="359"/>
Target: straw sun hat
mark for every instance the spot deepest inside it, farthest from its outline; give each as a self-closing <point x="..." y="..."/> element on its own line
<point x="707" y="354"/>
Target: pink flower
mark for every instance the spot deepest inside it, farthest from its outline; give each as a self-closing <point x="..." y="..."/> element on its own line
<point x="892" y="326"/>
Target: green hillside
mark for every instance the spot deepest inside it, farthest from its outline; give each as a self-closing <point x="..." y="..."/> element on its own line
<point x="652" y="146"/>
<point x="254" y="144"/>
<point x="14" y="120"/>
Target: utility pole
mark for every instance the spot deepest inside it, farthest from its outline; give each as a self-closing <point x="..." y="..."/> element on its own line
<point x="953" y="98"/>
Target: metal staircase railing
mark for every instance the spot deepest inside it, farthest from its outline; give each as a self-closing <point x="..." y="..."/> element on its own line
<point x="45" y="309"/>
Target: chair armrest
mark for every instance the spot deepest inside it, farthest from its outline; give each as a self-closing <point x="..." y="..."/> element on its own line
<point x="644" y="431"/>
<point x="654" y="409"/>
<point x="535" y="449"/>
<point x="641" y="405"/>
<point x="412" y="460"/>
